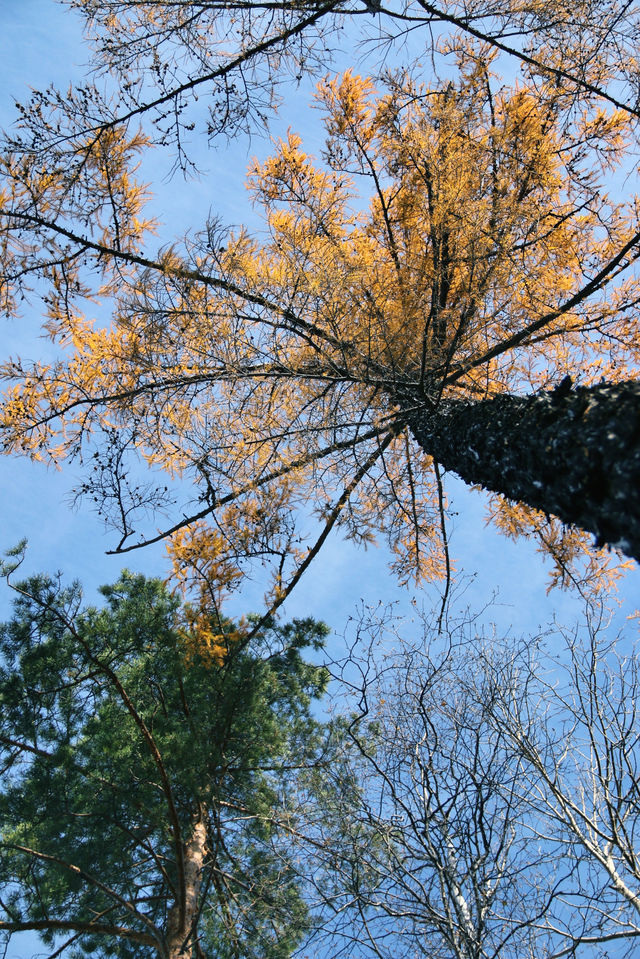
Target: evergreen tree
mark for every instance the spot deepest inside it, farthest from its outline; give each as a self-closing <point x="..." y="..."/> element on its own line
<point x="144" y="779"/>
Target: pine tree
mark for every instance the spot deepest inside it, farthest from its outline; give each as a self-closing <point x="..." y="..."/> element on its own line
<point x="147" y="773"/>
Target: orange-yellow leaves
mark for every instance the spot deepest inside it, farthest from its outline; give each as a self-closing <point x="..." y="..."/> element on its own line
<point x="606" y="134"/>
<point x="271" y="372"/>
<point x="575" y="562"/>
<point x="199" y="561"/>
<point x="204" y="576"/>
<point x="71" y="207"/>
<point x="204" y="642"/>
<point x="349" y="101"/>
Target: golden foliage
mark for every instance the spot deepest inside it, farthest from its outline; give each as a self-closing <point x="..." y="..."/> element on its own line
<point x="202" y="643"/>
<point x="202" y="571"/>
<point x="273" y="371"/>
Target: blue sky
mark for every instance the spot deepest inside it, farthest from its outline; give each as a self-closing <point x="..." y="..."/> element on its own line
<point x="40" y="43"/>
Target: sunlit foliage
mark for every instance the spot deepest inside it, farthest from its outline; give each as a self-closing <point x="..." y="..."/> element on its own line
<point x="455" y="240"/>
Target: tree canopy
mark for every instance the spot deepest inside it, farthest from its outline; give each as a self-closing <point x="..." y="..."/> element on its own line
<point x="166" y="795"/>
<point x="496" y="811"/>
<point x="147" y="778"/>
<point x="455" y="243"/>
<point x="244" y="55"/>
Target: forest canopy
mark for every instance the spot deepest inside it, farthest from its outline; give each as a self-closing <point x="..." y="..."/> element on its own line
<point x="459" y="248"/>
<point x="150" y="791"/>
<point x="432" y="271"/>
<point x="472" y="794"/>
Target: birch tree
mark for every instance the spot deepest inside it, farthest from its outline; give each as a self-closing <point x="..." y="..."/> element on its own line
<point x="576" y="731"/>
<point x="495" y="812"/>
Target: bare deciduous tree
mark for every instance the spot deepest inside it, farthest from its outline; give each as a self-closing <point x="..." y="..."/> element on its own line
<point x="577" y="733"/>
<point x="498" y="809"/>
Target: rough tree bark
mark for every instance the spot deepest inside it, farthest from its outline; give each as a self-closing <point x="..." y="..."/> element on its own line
<point x="182" y="915"/>
<point x="573" y="453"/>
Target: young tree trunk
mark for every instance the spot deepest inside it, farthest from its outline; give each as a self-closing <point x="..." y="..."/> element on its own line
<point x="180" y="922"/>
<point x="573" y="453"/>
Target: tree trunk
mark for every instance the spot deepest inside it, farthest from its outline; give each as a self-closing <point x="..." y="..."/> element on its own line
<point x="180" y="921"/>
<point x="573" y="453"/>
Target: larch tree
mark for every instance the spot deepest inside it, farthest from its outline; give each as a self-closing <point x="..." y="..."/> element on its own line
<point x="450" y="287"/>
<point x="243" y="55"/>
<point x="147" y="776"/>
